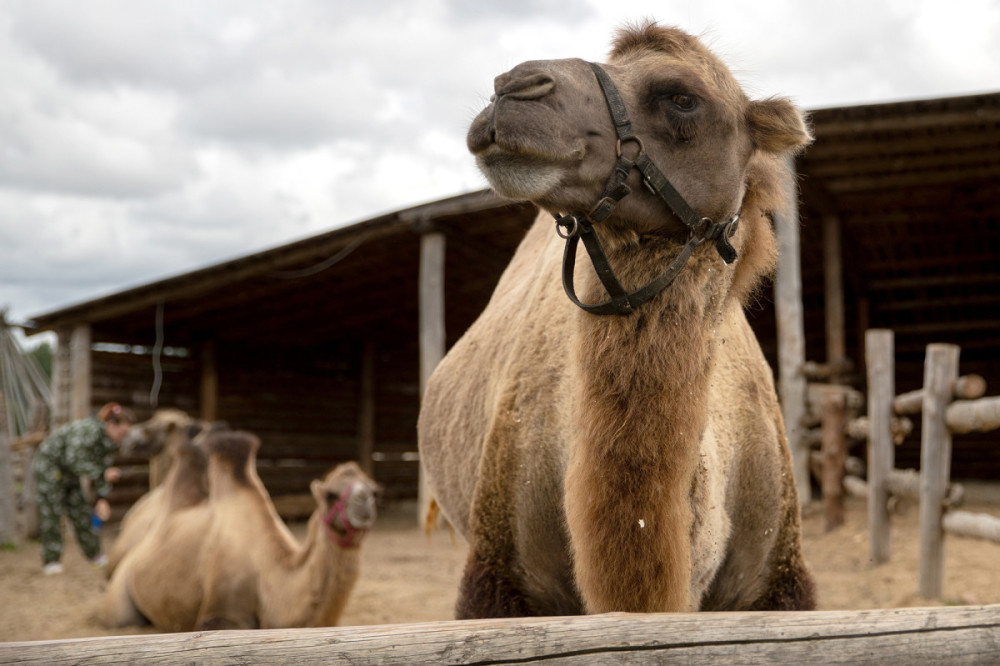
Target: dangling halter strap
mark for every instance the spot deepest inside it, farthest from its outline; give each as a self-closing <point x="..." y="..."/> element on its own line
<point x="575" y="228"/>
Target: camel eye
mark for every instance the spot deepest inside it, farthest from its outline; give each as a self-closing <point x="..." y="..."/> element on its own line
<point x="684" y="102"/>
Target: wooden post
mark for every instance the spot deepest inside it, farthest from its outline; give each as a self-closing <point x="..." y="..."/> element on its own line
<point x="432" y="331"/>
<point x="8" y="504"/>
<point x="791" y="336"/>
<point x="863" y="313"/>
<point x="879" y="358"/>
<point x="366" y="409"/>
<point x="834" y="455"/>
<point x="834" y="446"/>
<point x="62" y="383"/>
<point x="833" y="291"/>
<point x="79" y="350"/>
<point x="209" y="388"/>
<point x="940" y="372"/>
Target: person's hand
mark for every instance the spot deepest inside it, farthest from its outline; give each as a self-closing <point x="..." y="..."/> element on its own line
<point x="112" y="474"/>
<point x="103" y="509"/>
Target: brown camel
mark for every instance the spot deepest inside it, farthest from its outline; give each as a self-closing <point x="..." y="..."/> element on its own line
<point x="230" y="562"/>
<point x="627" y="454"/>
<point x="166" y="439"/>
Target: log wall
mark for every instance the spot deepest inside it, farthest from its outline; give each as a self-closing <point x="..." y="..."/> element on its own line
<point x="303" y="403"/>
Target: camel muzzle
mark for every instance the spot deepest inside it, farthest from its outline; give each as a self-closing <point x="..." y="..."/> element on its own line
<point x="351" y="516"/>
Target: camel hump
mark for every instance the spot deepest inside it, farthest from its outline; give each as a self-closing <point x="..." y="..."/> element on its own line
<point x="236" y="449"/>
<point x="191" y="457"/>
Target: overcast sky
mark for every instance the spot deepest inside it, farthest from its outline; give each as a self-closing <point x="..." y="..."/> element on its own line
<point x="141" y="139"/>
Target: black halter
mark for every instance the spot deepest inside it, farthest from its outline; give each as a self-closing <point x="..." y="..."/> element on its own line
<point x="574" y="228"/>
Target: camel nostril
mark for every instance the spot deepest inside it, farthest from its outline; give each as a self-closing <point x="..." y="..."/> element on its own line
<point x="533" y="86"/>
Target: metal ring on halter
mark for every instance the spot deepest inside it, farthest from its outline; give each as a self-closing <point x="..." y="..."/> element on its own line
<point x="571" y="230"/>
<point x="734" y="224"/>
<point x="618" y="146"/>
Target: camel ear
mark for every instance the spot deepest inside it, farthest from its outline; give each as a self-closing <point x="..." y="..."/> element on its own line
<point x="777" y="126"/>
<point x="315" y="490"/>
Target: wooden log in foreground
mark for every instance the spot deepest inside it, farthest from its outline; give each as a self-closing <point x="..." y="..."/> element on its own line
<point x="950" y="635"/>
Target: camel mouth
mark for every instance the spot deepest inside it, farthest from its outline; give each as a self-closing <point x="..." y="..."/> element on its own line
<point x="349" y="519"/>
<point x="518" y="176"/>
<point x="524" y="152"/>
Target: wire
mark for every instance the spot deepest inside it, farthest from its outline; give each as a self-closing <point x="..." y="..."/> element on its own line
<point x="154" y="392"/>
<point x="323" y="265"/>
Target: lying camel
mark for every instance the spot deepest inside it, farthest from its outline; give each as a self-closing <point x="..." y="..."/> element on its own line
<point x="230" y="562"/>
<point x="617" y="444"/>
<point x="162" y="438"/>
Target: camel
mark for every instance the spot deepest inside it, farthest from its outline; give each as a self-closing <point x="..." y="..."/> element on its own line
<point x="165" y="437"/>
<point x="615" y="443"/>
<point x="230" y="562"/>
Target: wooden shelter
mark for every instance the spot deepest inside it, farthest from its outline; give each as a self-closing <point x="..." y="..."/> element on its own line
<point x="317" y="345"/>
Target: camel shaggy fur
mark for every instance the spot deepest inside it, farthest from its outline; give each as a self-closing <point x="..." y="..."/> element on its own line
<point x="631" y="462"/>
<point x="230" y="562"/>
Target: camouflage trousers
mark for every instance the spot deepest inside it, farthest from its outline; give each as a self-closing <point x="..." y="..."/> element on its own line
<point x="58" y="495"/>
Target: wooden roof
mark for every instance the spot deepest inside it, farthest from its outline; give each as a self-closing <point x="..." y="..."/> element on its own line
<point x="354" y="282"/>
<point x="916" y="186"/>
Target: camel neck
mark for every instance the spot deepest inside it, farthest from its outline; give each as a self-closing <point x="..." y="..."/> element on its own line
<point x="643" y="395"/>
<point x="328" y="571"/>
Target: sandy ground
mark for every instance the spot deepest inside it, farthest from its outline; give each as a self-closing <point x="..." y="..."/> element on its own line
<point x="407" y="577"/>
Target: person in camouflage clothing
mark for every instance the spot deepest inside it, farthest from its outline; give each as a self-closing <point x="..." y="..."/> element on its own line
<point x="73" y="475"/>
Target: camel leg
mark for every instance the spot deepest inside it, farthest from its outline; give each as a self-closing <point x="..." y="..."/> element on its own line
<point x="791" y="585"/>
<point x="227" y="604"/>
<point x="118" y="609"/>
<point x="489" y="590"/>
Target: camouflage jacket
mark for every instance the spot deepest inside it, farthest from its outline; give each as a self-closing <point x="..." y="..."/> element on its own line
<point x="81" y="451"/>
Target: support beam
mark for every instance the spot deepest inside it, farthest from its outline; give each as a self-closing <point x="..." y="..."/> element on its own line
<point x="833" y="291"/>
<point x="940" y="373"/>
<point x="834" y="456"/>
<point x="880" y="360"/>
<point x="8" y="502"/>
<point x="80" y="380"/>
<point x="834" y="445"/>
<point x="366" y="409"/>
<point x="209" y="388"/>
<point x="62" y="383"/>
<point x="432" y="330"/>
<point x="791" y="336"/>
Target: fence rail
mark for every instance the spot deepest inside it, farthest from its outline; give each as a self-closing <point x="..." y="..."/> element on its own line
<point x="951" y="635"/>
<point x="947" y="404"/>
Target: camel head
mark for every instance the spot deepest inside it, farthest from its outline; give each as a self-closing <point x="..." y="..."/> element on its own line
<point x="548" y="136"/>
<point x="164" y="431"/>
<point x="346" y="499"/>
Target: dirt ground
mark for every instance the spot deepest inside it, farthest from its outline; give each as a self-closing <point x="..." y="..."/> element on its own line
<point x="407" y="577"/>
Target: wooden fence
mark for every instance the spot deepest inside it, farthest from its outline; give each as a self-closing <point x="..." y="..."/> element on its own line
<point x="947" y="404"/>
<point x="951" y="635"/>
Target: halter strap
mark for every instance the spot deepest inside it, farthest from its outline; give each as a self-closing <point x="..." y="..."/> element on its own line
<point x="574" y="228"/>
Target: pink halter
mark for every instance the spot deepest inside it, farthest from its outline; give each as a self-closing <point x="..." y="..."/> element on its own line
<point x="352" y="536"/>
